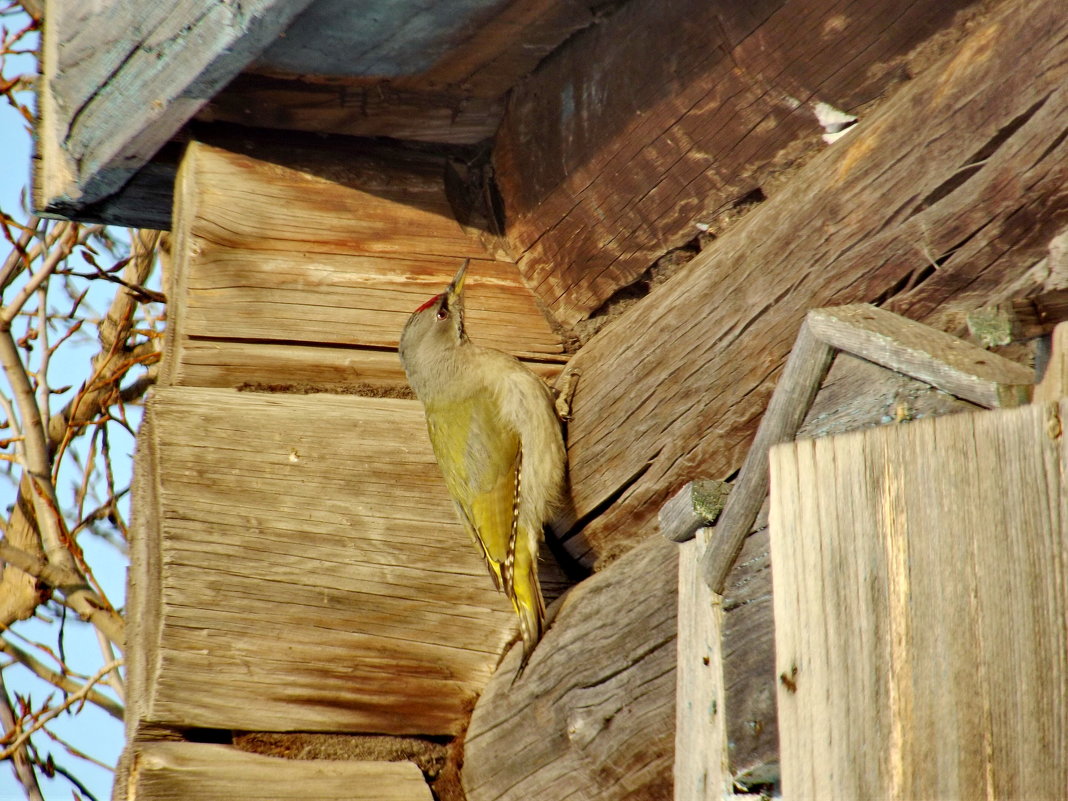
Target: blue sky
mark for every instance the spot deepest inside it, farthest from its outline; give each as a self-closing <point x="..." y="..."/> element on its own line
<point x="93" y="731"/>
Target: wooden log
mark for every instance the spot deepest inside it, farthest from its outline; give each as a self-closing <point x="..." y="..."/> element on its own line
<point x="677" y="383"/>
<point x="479" y="48"/>
<point x="611" y="153"/>
<point x="295" y="249"/>
<point x="593" y="714"/>
<point x="920" y="607"/>
<point x="121" y="78"/>
<point x="696" y="505"/>
<point x="164" y="771"/>
<point x="297" y="566"/>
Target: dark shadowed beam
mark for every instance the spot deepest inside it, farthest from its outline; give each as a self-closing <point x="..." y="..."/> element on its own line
<point x="928" y="220"/>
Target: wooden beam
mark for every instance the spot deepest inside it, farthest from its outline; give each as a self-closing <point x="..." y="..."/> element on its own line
<point x="120" y="78"/>
<point x="674" y="387"/>
<point x="355" y="107"/>
<point x="920" y="641"/>
<point x="163" y="771"/>
<point x="316" y="257"/>
<point x="298" y="566"/>
<point x="593" y="715"/>
<point x="798" y="385"/>
<point x="944" y="361"/>
<point x="614" y="151"/>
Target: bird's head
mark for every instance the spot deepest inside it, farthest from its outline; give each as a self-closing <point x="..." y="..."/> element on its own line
<point x="438" y="324"/>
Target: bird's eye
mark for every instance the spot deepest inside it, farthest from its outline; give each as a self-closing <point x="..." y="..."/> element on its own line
<point x="443" y="313"/>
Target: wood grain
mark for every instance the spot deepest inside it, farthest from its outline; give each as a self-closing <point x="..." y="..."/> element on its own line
<point x="702" y="772"/>
<point x="298" y="566"/>
<point x="673" y="389"/>
<point x="121" y="78"/>
<point x="944" y="361"/>
<point x="1054" y="384"/>
<point x="613" y="151"/>
<point x="298" y="249"/>
<point x="920" y="590"/>
<point x="797" y="387"/>
<point x="173" y="771"/>
<point x="355" y="107"/>
<point x="593" y="715"/>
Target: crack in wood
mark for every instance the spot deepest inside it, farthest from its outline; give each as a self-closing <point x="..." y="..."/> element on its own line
<point x="978" y="160"/>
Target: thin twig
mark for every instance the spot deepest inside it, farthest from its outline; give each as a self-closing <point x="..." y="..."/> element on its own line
<point x="70" y="701"/>
<point x="20" y="759"/>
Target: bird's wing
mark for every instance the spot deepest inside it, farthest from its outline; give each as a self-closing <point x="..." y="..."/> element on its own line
<point x="480" y="461"/>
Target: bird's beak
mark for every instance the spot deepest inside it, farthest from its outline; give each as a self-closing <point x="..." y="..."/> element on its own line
<point x="456" y="288"/>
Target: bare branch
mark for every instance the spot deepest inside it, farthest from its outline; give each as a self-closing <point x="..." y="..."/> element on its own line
<point x="20" y="760"/>
<point x="90" y="606"/>
<point x="56" y="678"/>
<point x="71" y="700"/>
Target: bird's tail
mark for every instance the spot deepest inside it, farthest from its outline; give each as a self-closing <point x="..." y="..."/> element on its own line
<point x="529" y="604"/>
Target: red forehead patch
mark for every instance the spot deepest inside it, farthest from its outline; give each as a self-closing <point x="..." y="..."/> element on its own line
<point x="428" y="304"/>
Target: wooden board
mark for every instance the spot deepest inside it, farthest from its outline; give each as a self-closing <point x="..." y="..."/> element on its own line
<point x="298" y="566"/>
<point x="702" y="771"/>
<point x="920" y="600"/>
<point x="614" y="151"/>
<point x="593" y="715"/>
<point x="674" y="388"/>
<point x="171" y="771"/>
<point x="119" y="78"/>
<point x="297" y="248"/>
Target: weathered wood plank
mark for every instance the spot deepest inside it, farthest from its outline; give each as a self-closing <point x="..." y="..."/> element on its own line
<point x="298" y="566"/>
<point x="940" y="359"/>
<point x="612" y="152"/>
<point x="798" y="385"/>
<point x="120" y="78"/>
<point x="1054" y="384"/>
<point x="920" y="591"/>
<point x="593" y="714"/>
<point x="328" y="246"/>
<point x="181" y="771"/>
<point x="701" y="769"/>
<point x="673" y="389"/>
<point x="856" y="394"/>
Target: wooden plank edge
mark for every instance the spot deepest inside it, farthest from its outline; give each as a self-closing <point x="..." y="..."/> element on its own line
<point x="935" y="357"/>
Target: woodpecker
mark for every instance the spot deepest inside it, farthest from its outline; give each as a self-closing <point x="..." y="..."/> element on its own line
<point x="497" y="439"/>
